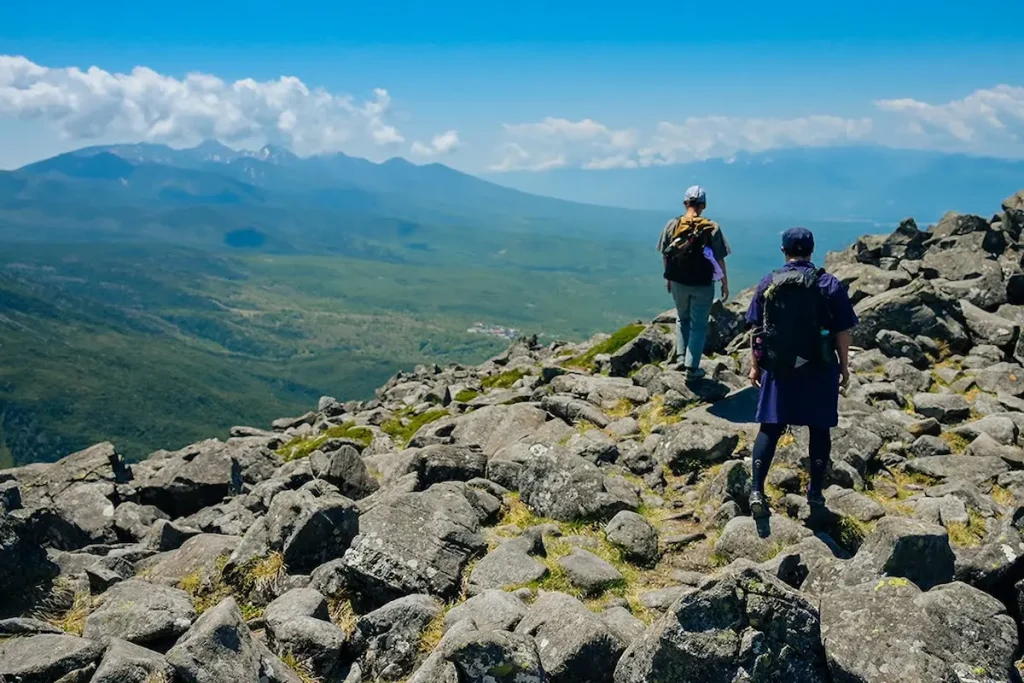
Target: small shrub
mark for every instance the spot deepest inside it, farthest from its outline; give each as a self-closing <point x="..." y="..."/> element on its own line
<point x="957" y="443"/>
<point x="1003" y="496"/>
<point x="342" y="615"/>
<point x="301" y="669"/>
<point x="433" y="633"/>
<point x="72" y="619"/>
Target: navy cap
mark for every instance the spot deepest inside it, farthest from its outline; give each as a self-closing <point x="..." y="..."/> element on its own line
<point x="798" y="241"/>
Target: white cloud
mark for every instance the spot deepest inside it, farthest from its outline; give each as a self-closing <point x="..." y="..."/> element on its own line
<point x="988" y="121"/>
<point x="150" y="106"/>
<point x="592" y="145"/>
<point x="440" y="145"/>
<point x="556" y="142"/>
<point x="983" y="121"/>
<point x="700" y="138"/>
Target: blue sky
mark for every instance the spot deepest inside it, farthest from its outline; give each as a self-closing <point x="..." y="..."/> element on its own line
<point x="529" y="85"/>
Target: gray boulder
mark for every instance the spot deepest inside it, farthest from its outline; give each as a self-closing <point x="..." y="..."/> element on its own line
<point x="914" y="309"/>
<point x="415" y="543"/>
<point x="183" y="482"/>
<point x="165" y="535"/>
<point x="125" y="662"/>
<point x="511" y="564"/>
<point x="490" y="610"/>
<point x="690" y="446"/>
<point x="219" y="647"/>
<point x="200" y="555"/>
<point x="989" y="328"/>
<point x="974" y="469"/>
<point x="650" y="346"/>
<point x="635" y="536"/>
<point x="896" y="547"/>
<point x="623" y="624"/>
<point x="390" y="636"/>
<point x="898" y="345"/>
<point x="344" y="469"/>
<point x="588" y="572"/>
<point x="559" y="485"/>
<point x="230" y="518"/>
<point x="1001" y="378"/>
<point x="888" y="630"/>
<point x="141" y="613"/>
<point x="48" y="658"/>
<point x="297" y="623"/>
<point x="946" y="408"/>
<point x="438" y="463"/>
<point x="87" y="509"/>
<point x="472" y="656"/>
<point x="742" y="624"/>
<point x="490" y="428"/>
<point x="758" y="540"/>
<point x="574" y="410"/>
<point x="574" y="643"/>
<point x="311" y="527"/>
<point x="132" y="521"/>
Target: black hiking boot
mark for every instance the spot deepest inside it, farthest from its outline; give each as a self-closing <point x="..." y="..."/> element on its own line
<point x="758" y="505"/>
<point x="815" y="499"/>
<point x="695" y="373"/>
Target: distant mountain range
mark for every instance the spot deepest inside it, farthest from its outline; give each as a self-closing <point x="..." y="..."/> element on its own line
<point x="827" y="184"/>
<point x="250" y="187"/>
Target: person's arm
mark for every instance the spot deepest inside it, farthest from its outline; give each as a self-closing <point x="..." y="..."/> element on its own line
<point x="725" y="280"/>
<point x="843" y="349"/>
<point x="721" y="249"/>
<point x="755" y="369"/>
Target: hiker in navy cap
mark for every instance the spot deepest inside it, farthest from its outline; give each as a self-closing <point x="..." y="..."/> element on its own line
<point x="802" y="318"/>
<point x="693" y="251"/>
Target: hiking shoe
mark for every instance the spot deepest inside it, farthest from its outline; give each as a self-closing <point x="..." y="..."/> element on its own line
<point x="695" y="373"/>
<point x="758" y="505"/>
<point x="815" y="499"/>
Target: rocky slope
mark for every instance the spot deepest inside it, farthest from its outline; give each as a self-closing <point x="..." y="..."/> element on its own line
<point x="569" y="513"/>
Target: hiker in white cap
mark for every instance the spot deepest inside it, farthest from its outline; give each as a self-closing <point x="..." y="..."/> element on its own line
<point x="693" y="249"/>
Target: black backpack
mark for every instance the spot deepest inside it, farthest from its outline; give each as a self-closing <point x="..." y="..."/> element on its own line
<point x="794" y="333"/>
<point x="685" y="262"/>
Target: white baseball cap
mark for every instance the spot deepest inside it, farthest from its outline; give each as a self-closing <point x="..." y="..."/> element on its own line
<point x="695" y="195"/>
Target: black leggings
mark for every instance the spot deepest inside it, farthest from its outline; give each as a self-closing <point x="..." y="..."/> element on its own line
<point x="767" y="441"/>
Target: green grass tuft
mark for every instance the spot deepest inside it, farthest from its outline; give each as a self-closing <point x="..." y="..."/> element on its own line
<point x="466" y="395"/>
<point x="503" y="381"/>
<point x="619" y="339"/>
<point x="402" y="432"/>
<point x="302" y="446"/>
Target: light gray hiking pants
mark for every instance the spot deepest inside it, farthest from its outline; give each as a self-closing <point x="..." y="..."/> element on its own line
<point x="693" y="305"/>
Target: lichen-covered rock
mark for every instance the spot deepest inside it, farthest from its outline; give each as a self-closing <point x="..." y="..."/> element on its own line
<point x="559" y="485"/>
<point x="141" y="613"/>
<point x="415" y="543"/>
<point x="219" y="647"/>
<point x="574" y="643"/>
<point x="741" y="624"/>
<point x="634" y="535"/>
<point x="888" y="630"/>
<point x="48" y="658"/>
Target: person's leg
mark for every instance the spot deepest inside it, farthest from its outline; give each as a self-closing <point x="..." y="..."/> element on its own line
<point x="764" y="451"/>
<point x="820" y="451"/>
<point x="681" y="295"/>
<point x="700" y="310"/>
